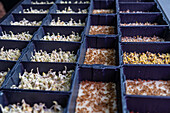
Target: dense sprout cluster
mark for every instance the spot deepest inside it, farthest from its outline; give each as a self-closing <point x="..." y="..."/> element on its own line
<point x="45" y="2"/>
<point x="142" y="39"/>
<point x="31" y="10"/>
<point x="69" y="10"/>
<point x="10" y="54"/>
<point x="101" y="11"/>
<point x="146" y="58"/>
<point x="72" y="37"/>
<point x="25" y="22"/>
<point x="108" y="30"/>
<point x="138" y="24"/>
<point x="76" y="2"/>
<point x="36" y="108"/>
<point x="54" y="56"/>
<point x="19" y="36"/>
<point x="100" y="56"/>
<point x="128" y="11"/>
<point x="148" y="87"/>
<point x="70" y="23"/>
<point x="50" y="81"/>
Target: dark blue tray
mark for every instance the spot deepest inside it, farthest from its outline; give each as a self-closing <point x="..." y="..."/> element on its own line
<point x="136" y="1"/>
<point x="49" y="47"/>
<point x="151" y="104"/>
<point x="58" y="1"/>
<point x="43" y="67"/>
<point x="162" y="32"/>
<point x="144" y="47"/>
<point x="29" y="1"/>
<point x="97" y="75"/>
<point x="4" y="67"/>
<point x="42" y="31"/>
<point x="102" y="4"/>
<point x="17" y="29"/>
<point x="18" y="17"/>
<point x="11" y="44"/>
<point x="66" y="18"/>
<point x="28" y="6"/>
<point x="74" y="7"/>
<point x="133" y="18"/>
<point x="105" y="20"/>
<point x="146" y="8"/>
<point x="9" y="97"/>
<point x="99" y="42"/>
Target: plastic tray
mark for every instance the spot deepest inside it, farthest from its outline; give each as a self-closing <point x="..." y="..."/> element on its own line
<point x="105" y="20"/>
<point x="58" y="1"/>
<point x="136" y="0"/>
<point x="99" y="42"/>
<point x="42" y="31"/>
<point x="65" y="18"/>
<point x="11" y="44"/>
<point x="17" y="29"/>
<point x="151" y="104"/>
<point x="29" y="1"/>
<point x="49" y="47"/>
<point x="9" y="97"/>
<point x="102" y="4"/>
<point x="74" y="7"/>
<point x="162" y="32"/>
<point x="144" y="47"/>
<point x="28" y="6"/>
<point x="97" y="75"/>
<point x="19" y="17"/>
<point x="43" y="67"/>
<point x="4" y="67"/>
<point x="152" y="18"/>
<point x="146" y="8"/>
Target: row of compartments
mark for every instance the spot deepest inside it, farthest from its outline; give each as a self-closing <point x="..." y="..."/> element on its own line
<point x="52" y="9"/>
<point x="146" y="103"/>
<point x="56" y="1"/>
<point x="95" y="5"/>
<point x="77" y="20"/>
<point x="81" y="52"/>
<point x="80" y="49"/>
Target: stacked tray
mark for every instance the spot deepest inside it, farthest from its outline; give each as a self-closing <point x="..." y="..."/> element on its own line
<point x="97" y="42"/>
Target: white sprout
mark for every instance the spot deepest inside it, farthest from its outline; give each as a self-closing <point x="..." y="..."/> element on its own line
<point x="70" y="23"/>
<point x="69" y="10"/>
<point x="72" y="37"/>
<point x="25" y="22"/>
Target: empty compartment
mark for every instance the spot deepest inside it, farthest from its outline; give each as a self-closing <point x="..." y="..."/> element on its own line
<point x="31" y="98"/>
<point x="101" y="25"/>
<point x="145" y="34"/>
<point x="20" y="17"/>
<point x="149" y="99"/>
<point x="12" y="50"/>
<point x="141" y="20"/>
<point x="39" y="2"/>
<point x="73" y="2"/>
<point x="32" y="9"/>
<point x="136" y="0"/>
<point x="53" y="33"/>
<point x="77" y="20"/>
<point x="54" y="84"/>
<point x="138" y="8"/>
<point x="5" y="70"/>
<point x="106" y="47"/>
<point x="70" y="9"/>
<point x="103" y="75"/>
<point x="103" y="7"/>
<point x="14" y="32"/>
<point x="144" y="53"/>
<point x="52" y="46"/>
